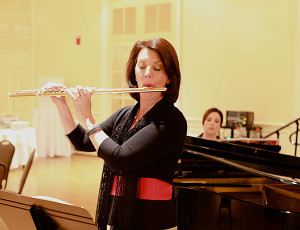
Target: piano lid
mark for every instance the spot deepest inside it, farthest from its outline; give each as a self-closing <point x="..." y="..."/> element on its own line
<point x="274" y="165"/>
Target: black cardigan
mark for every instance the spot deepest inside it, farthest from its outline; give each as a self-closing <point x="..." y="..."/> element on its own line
<point x="154" y="150"/>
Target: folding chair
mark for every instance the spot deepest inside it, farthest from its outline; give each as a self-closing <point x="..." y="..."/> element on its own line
<point x="26" y="171"/>
<point x="7" y="151"/>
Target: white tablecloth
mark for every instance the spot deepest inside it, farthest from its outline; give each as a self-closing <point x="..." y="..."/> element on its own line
<point x="51" y="140"/>
<point x="24" y="141"/>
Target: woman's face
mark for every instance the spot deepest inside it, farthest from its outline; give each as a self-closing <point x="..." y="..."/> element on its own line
<point x="149" y="70"/>
<point x="212" y="123"/>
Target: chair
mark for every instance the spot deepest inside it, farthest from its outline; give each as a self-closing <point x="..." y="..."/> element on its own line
<point x="7" y="151"/>
<point x="2" y="171"/>
<point x="26" y="171"/>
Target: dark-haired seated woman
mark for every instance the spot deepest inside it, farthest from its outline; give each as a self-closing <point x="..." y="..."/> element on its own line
<point x="212" y="122"/>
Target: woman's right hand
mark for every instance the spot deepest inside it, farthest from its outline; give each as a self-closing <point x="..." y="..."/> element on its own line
<point x="65" y="114"/>
<point x="55" y="86"/>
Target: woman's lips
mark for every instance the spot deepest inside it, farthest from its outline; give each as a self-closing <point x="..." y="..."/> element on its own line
<point x="147" y="85"/>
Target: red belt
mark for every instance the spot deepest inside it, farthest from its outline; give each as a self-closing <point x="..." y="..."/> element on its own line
<point x="148" y="189"/>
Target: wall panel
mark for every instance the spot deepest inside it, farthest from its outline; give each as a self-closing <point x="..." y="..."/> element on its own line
<point x="16" y="57"/>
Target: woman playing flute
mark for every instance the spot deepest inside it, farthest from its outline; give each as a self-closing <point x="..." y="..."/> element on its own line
<point x="140" y="144"/>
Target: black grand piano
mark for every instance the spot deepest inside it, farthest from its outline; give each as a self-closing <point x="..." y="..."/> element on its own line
<point x="232" y="186"/>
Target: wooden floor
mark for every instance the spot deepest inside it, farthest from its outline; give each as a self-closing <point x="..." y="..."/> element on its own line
<point x="74" y="179"/>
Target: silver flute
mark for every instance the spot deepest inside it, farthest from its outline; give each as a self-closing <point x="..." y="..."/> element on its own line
<point x="64" y="91"/>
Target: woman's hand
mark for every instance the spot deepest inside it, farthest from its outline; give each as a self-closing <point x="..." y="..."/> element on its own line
<point x="56" y="87"/>
<point x="81" y="98"/>
<point x="65" y="114"/>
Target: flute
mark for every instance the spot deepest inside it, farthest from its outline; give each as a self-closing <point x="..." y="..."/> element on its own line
<point x="64" y="92"/>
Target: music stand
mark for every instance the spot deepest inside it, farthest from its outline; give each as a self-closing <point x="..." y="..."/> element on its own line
<point x="28" y="213"/>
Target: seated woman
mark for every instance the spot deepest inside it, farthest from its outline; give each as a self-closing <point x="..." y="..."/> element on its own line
<point x="212" y="122"/>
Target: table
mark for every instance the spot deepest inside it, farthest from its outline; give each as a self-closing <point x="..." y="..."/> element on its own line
<point x="24" y="141"/>
<point x="51" y="140"/>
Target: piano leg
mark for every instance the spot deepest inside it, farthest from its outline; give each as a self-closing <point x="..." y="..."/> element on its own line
<point x="224" y="217"/>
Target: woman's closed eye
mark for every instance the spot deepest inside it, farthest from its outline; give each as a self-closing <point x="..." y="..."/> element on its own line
<point x="142" y="65"/>
<point x="157" y="67"/>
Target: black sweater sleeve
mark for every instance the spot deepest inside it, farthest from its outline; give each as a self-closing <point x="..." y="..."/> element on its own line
<point x="80" y="140"/>
<point x="163" y="136"/>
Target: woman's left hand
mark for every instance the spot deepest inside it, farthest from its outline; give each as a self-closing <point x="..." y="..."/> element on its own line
<point x="81" y="98"/>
